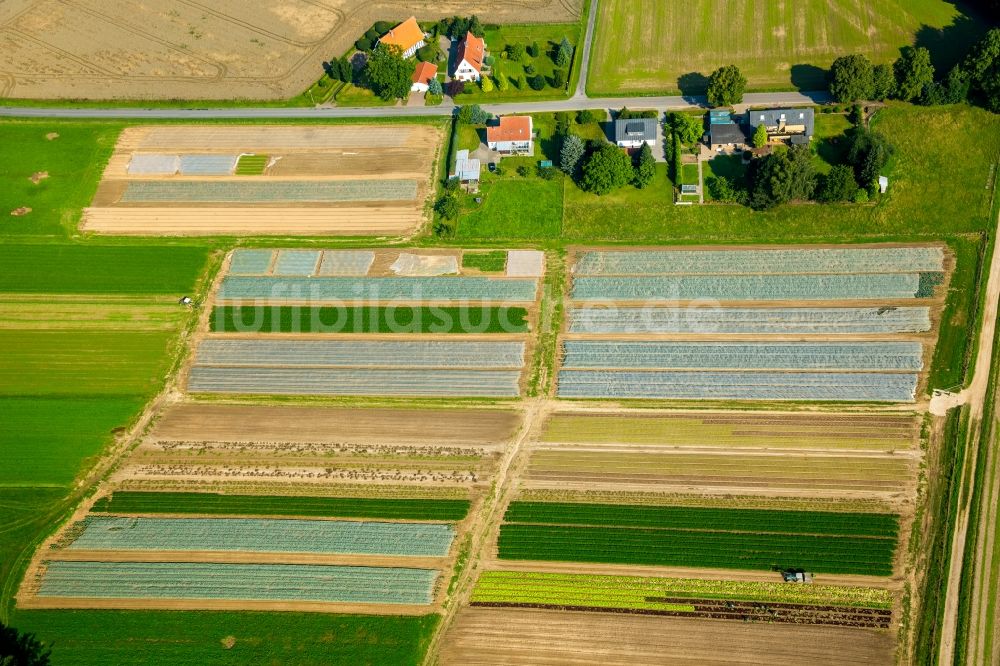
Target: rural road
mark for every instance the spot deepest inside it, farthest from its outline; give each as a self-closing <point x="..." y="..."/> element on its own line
<point x="573" y="104"/>
<point x="974" y="396"/>
<point x="588" y="42"/>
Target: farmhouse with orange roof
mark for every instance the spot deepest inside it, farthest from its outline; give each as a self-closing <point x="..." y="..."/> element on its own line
<point x="512" y="135"/>
<point x="469" y="59"/>
<point x="407" y="37"/>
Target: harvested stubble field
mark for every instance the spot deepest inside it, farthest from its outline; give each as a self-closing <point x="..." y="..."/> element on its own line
<point x="114" y="49"/>
<point x="333" y="180"/>
<point x="496" y="635"/>
<point x="674" y="47"/>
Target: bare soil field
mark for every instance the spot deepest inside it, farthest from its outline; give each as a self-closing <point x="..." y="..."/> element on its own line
<point x="494" y="636"/>
<point x="260" y="423"/>
<point x="298" y="161"/>
<point x="226" y="49"/>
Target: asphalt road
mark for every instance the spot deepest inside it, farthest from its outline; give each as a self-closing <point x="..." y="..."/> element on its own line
<point x="573" y="104"/>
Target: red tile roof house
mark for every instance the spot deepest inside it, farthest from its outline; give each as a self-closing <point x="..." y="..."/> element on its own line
<point x="511" y="136"/>
<point x="469" y="59"/>
<point x="407" y="37"/>
<point x="422" y="76"/>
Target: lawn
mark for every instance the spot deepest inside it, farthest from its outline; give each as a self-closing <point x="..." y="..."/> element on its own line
<point x="548" y="36"/>
<point x="193" y="638"/>
<point x="514" y="207"/>
<point x="656" y="47"/>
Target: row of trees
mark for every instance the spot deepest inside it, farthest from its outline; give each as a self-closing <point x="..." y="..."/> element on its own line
<point x="911" y="77"/>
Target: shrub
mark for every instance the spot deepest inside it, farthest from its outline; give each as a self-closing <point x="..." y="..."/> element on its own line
<point x="838" y="185"/>
<point x="515" y="51"/>
<point x="382" y="27"/>
<point x="522" y="171"/>
<point x="537" y="82"/>
<point x="364" y="45"/>
<point x="530" y="70"/>
<point x="546" y="173"/>
<point x="486" y="83"/>
<point x="473" y="114"/>
<point x="591" y="116"/>
<point x="447" y="206"/>
<point x="564" y="53"/>
<point x="533" y="49"/>
<point x="645" y="170"/>
<point x="503" y="83"/>
<point x="558" y="78"/>
<point x="861" y="196"/>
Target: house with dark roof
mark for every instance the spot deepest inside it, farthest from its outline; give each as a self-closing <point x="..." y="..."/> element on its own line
<point x="634" y="132"/>
<point x="794" y="126"/>
<point x="725" y="132"/>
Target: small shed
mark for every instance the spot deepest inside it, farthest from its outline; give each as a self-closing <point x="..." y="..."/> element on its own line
<point x="689" y="189"/>
<point x="467" y="170"/>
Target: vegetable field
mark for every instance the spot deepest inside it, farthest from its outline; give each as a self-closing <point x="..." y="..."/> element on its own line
<point x="687" y="536"/>
<point x="247" y="582"/>
<point x="832" y="294"/>
<point x="264" y="505"/>
<point x="730" y="600"/>
<point x="385" y="319"/>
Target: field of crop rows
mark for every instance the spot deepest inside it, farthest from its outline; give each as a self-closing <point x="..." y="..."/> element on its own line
<point x="697" y="537"/>
<point x="208" y="191"/>
<point x="262" y="535"/>
<point x="756" y="321"/>
<point x="246" y="582"/>
<point x="763" y="430"/>
<point x="640" y="292"/>
<point x="307" y="291"/>
<point x="232" y="180"/>
<point x="729" y="600"/>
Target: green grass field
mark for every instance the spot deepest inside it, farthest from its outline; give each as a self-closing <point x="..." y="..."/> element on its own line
<point x="393" y="319"/>
<point x="487" y="262"/>
<point x="74" y="161"/>
<point x="193" y="638"/>
<point x="269" y="505"/>
<point x="656" y="47"/>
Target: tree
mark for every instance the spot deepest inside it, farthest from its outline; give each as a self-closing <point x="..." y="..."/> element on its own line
<point x="760" y="138"/>
<point x="782" y="177"/>
<point x="868" y="152"/>
<point x="676" y="163"/>
<point x="982" y="66"/>
<point x="725" y="190"/>
<point x="503" y="83"/>
<point x="563" y="121"/>
<point x="486" y="83"/>
<point x="558" y="78"/>
<point x="382" y="27"/>
<point x="645" y="170"/>
<point x="515" y="51"/>
<point x="687" y="128"/>
<point x="364" y="45"/>
<point x="726" y="86"/>
<point x="428" y="53"/>
<point x="913" y="71"/>
<point x="435" y="88"/>
<point x="537" y="82"/>
<point x="573" y="150"/>
<point x="388" y="73"/>
<point x="852" y="78"/>
<point x="459" y="26"/>
<point x="954" y="89"/>
<point x="608" y="169"/>
<point x="883" y="82"/>
<point x="591" y="116"/>
<point x="447" y="207"/>
<point x="476" y="27"/>
<point x="533" y="49"/>
<point x="564" y="53"/>
<point x="473" y="114"/>
<point x="838" y="185"/>
<point x="21" y="649"/>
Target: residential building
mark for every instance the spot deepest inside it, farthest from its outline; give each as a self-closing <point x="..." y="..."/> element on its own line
<point x="794" y="126"/>
<point x="407" y="37"/>
<point x="635" y="132"/>
<point x="511" y="135"/>
<point x="422" y="76"/>
<point x="467" y="170"/>
<point x="725" y="133"/>
<point x="469" y="59"/>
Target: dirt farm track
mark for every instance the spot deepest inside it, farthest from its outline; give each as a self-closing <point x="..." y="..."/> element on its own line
<point x="224" y="49"/>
